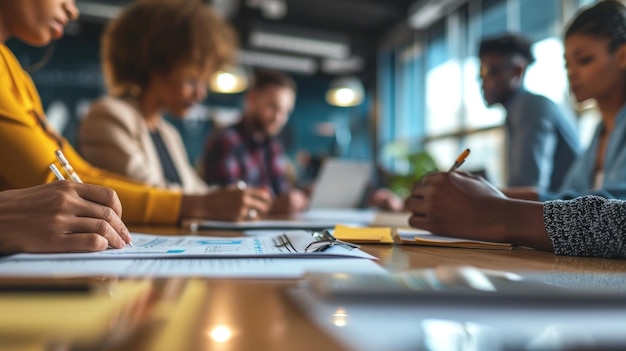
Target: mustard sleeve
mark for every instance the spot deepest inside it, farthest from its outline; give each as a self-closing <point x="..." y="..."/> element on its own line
<point x="26" y="150"/>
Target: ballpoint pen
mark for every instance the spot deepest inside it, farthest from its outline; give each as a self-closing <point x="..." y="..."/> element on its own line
<point x="67" y="167"/>
<point x="56" y="171"/>
<point x="459" y="160"/>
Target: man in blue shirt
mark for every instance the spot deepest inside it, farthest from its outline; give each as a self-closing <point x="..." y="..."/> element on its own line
<point x="541" y="141"/>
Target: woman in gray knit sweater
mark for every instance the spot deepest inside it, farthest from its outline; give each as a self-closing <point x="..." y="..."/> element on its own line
<point x="461" y="205"/>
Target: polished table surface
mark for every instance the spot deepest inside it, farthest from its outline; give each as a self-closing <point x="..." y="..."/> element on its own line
<point x="223" y="314"/>
<point x="396" y="258"/>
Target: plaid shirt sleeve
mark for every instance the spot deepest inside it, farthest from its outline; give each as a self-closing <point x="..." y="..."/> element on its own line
<point x="278" y="169"/>
<point x="221" y="166"/>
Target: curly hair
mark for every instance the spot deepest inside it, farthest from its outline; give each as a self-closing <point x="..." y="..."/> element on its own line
<point x="157" y="36"/>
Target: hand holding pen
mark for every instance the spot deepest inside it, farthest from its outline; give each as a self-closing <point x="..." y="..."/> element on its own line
<point x="92" y="212"/>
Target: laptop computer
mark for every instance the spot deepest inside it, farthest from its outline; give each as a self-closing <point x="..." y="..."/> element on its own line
<point x="340" y="184"/>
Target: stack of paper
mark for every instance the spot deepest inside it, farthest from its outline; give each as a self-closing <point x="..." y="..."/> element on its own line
<point x="265" y="224"/>
<point x="391" y="219"/>
<point x="292" y="244"/>
<point x="423" y="237"/>
<point x="309" y="220"/>
<point x="231" y="257"/>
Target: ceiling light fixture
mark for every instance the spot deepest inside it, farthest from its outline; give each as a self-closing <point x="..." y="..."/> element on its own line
<point x="274" y="9"/>
<point x="349" y="66"/>
<point x="304" y="65"/>
<point x="229" y="81"/>
<point x="270" y="9"/>
<point x="424" y="13"/>
<point x="300" y="44"/>
<point x="98" y="11"/>
<point x="345" y="92"/>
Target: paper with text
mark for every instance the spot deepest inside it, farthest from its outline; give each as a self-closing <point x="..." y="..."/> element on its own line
<point x="167" y="246"/>
<point x="239" y="268"/>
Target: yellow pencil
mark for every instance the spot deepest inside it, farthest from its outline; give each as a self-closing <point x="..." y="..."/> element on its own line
<point x="459" y="160"/>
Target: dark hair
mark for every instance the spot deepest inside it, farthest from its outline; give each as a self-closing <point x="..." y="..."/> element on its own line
<point x="265" y="78"/>
<point x="606" y="19"/>
<point x="159" y="35"/>
<point x="507" y="44"/>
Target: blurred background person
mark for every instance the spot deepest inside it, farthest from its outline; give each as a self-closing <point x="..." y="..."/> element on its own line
<point x="125" y="132"/>
<point x="28" y="142"/>
<point x="249" y="151"/>
<point x="593" y="54"/>
<point x="541" y="141"/>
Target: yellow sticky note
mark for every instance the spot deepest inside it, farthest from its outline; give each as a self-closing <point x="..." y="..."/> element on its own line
<point x="368" y="234"/>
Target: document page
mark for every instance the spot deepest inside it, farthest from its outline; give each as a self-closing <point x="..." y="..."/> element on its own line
<point x="305" y="223"/>
<point x="423" y="237"/>
<point x="239" y="268"/>
<point x="281" y="245"/>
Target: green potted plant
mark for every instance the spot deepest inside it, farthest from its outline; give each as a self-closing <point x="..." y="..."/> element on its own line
<point x="420" y="163"/>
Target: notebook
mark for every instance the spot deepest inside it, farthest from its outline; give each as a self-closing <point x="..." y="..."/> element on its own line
<point x="341" y="184"/>
<point x="423" y="237"/>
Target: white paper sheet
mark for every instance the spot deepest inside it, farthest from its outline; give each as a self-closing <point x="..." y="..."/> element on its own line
<point x="268" y="224"/>
<point x="411" y="234"/>
<point x="267" y="268"/>
<point x="189" y="246"/>
<point x="391" y="219"/>
<point x="340" y="215"/>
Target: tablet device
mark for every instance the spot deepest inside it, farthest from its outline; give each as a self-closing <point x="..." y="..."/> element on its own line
<point x="341" y="184"/>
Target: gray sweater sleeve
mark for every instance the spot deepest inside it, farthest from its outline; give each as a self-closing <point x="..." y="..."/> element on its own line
<point x="587" y="226"/>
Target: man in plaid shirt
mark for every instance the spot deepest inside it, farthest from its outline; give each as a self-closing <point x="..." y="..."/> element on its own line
<point x="249" y="150"/>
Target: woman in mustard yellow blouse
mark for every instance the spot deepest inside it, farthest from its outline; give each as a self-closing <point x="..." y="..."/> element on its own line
<point x="27" y="142"/>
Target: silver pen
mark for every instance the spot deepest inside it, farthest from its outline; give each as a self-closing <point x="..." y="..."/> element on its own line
<point x="67" y="167"/>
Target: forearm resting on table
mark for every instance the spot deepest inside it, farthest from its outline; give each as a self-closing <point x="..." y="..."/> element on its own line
<point x="523" y="224"/>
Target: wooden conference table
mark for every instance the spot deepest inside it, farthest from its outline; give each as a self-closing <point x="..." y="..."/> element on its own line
<point x="222" y="314"/>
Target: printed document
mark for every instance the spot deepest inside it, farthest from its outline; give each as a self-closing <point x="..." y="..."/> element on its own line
<point x="281" y="245"/>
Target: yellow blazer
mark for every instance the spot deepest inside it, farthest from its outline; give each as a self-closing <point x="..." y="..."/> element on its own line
<point x="27" y="145"/>
<point x="115" y="136"/>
